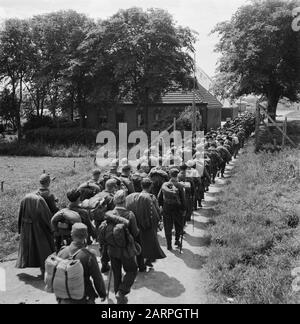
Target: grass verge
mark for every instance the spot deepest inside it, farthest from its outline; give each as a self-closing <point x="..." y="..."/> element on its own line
<point x="21" y="176"/>
<point x="253" y="243"/>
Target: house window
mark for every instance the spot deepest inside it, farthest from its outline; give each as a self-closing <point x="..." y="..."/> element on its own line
<point x="103" y="119"/>
<point x="156" y="115"/>
<point x="140" y="119"/>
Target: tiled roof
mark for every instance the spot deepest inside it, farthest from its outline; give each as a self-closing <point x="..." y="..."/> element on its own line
<point x="181" y="97"/>
<point x="186" y="97"/>
<point x="211" y="100"/>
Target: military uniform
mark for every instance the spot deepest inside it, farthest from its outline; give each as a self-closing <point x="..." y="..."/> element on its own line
<point x="173" y="213"/>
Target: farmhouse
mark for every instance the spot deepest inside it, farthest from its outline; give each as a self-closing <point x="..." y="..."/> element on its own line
<point x="160" y="113"/>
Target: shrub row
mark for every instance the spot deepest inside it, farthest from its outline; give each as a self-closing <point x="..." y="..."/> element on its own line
<point x="35" y="122"/>
<point x="24" y="149"/>
<point x="66" y="136"/>
<point x="41" y="149"/>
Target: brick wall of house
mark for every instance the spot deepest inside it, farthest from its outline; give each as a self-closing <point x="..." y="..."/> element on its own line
<point x="160" y="116"/>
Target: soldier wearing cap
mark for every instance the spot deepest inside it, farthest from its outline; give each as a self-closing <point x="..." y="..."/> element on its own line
<point x="73" y="196"/>
<point x="226" y="157"/>
<point x="44" y="191"/>
<point x="96" y="179"/>
<point x="123" y="257"/>
<point x="127" y="180"/>
<point x="108" y="196"/>
<point x="140" y="174"/>
<point x="189" y="188"/>
<point x="112" y="174"/>
<point x="172" y="200"/>
<point x="89" y="262"/>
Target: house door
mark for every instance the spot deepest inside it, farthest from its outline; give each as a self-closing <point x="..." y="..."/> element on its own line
<point x="120" y="118"/>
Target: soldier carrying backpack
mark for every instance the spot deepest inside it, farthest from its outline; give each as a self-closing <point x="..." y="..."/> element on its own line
<point x="68" y="275"/>
<point x="172" y="200"/>
<point x="119" y="232"/>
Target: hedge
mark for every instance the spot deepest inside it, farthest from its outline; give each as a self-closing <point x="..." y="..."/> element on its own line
<point x="66" y="136"/>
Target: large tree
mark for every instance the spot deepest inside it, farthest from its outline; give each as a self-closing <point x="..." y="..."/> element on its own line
<point x="15" y="54"/>
<point x="56" y="37"/>
<point x="260" y="53"/>
<point x="149" y="53"/>
<point x="65" y="62"/>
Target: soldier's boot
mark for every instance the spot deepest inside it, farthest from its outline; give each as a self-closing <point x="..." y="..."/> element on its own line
<point x="121" y="298"/>
<point x="169" y="245"/>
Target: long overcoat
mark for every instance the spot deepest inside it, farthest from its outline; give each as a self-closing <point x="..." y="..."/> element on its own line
<point x="36" y="240"/>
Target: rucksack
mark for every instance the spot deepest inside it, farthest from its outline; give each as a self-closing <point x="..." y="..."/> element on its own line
<point x="170" y="194"/>
<point x="88" y="190"/>
<point x="64" y="219"/>
<point x="65" y="277"/>
<point x="112" y="234"/>
<point x="97" y="206"/>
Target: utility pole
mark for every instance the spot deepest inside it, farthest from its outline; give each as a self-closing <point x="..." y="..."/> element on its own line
<point x="194" y="98"/>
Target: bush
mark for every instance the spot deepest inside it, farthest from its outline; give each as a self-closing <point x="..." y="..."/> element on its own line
<point x="66" y="136"/>
<point x="41" y="149"/>
<point x="35" y="122"/>
<point x="24" y="149"/>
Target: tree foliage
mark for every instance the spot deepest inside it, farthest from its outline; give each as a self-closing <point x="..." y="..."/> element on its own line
<point x="65" y="63"/>
<point x="260" y="53"/>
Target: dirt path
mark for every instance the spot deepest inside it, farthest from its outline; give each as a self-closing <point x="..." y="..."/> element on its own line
<point x="178" y="279"/>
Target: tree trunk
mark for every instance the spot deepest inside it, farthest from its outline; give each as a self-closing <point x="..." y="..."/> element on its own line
<point x="72" y="107"/>
<point x="19" y="127"/>
<point x="273" y="99"/>
<point x="42" y="106"/>
<point x="81" y="106"/>
<point x="16" y="116"/>
<point x="146" y="110"/>
<point x="38" y="106"/>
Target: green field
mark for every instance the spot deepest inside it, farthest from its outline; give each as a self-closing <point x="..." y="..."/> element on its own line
<point x="21" y="176"/>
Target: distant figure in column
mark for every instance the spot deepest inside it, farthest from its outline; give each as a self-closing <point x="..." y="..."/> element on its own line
<point x="44" y="192"/>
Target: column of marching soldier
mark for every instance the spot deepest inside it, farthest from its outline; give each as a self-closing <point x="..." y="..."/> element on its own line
<point x="123" y="211"/>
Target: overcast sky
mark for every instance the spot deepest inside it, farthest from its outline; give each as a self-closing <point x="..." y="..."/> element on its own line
<point x="200" y="15"/>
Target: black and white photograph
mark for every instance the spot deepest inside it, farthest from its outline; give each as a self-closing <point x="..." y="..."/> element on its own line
<point x="149" y="154"/>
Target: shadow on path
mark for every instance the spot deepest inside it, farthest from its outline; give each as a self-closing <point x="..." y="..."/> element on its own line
<point x="213" y="194"/>
<point x="210" y="203"/>
<point x="36" y="282"/>
<point x="222" y="184"/>
<point x="192" y="260"/>
<point x="200" y="225"/>
<point x="205" y="212"/>
<point x="197" y="240"/>
<point x="160" y="283"/>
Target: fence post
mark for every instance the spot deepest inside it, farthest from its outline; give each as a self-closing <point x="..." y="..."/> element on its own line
<point x="257" y="125"/>
<point x="284" y="131"/>
<point x="2" y="186"/>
